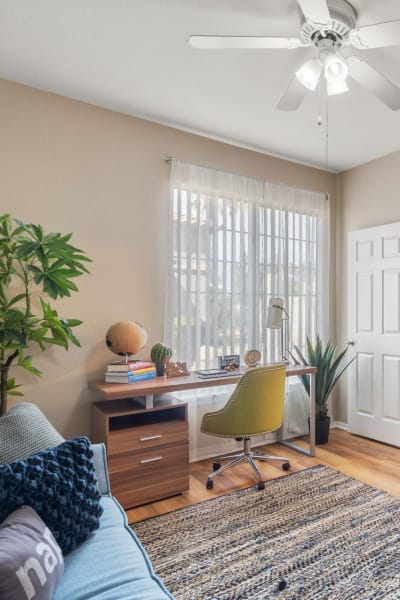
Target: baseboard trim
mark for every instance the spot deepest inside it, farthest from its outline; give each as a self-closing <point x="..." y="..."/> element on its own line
<point x="340" y="425"/>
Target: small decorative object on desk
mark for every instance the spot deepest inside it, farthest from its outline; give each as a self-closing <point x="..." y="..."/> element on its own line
<point x="158" y="354"/>
<point x="229" y="362"/>
<point x="175" y="369"/>
<point x="252" y="357"/>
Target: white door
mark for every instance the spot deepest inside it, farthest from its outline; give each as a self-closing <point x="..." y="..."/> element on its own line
<point x="374" y="326"/>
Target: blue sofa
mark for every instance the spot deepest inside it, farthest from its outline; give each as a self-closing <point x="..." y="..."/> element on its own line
<point x="111" y="564"/>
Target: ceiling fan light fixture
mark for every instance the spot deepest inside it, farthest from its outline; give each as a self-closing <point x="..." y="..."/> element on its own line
<point x="334" y="88"/>
<point x="330" y="27"/>
<point x="309" y="73"/>
<point x="335" y="68"/>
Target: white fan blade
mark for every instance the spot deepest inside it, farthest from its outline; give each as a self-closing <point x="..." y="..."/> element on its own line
<point x="316" y="11"/>
<point x="243" y="42"/>
<point x="376" y="83"/>
<point x="293" y="96"/>
<point x="379" y="35"/>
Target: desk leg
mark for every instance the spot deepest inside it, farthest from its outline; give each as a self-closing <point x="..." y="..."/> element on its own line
<point x="311" y="450"/>
<point x="312" y="415"/>
<point x="149" y="400"/>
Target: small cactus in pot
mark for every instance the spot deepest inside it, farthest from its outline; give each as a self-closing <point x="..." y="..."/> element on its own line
<point x="158" y="353"/>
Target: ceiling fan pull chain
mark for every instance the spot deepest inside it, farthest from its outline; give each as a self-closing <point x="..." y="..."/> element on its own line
<point x="326" y="132"/>
<point x="320" y="119"/>
<point x="323" y="116"/>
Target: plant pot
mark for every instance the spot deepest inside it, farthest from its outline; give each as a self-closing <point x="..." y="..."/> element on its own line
<point x="160" y="369"/>
<point x="322" y="426"/>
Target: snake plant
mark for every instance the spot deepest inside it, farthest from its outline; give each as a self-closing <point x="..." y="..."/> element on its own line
<point x="330" y="368"/>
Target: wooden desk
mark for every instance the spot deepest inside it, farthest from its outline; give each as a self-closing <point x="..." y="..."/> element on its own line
<point x="161" y="385"/>
<point x="148" y="442"/>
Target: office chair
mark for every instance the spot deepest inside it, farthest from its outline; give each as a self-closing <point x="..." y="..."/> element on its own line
<point x="255" y="407"/>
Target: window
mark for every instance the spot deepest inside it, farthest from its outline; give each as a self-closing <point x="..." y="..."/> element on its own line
<point x="235" y="242"/>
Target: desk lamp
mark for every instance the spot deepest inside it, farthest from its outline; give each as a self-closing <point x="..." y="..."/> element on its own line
<point x="275" y="317"/>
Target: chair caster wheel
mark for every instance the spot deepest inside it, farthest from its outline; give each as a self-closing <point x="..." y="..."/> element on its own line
<point x="286" y="466"/>
<point x="261" y="485"/>
<point x="216" y="466"/>
<point x="209" y="484"/>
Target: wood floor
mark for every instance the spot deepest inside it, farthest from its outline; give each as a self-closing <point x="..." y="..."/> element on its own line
<point x="374" y="463"/>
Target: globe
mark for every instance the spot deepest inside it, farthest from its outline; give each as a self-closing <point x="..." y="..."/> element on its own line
<point x="126" y="337"/>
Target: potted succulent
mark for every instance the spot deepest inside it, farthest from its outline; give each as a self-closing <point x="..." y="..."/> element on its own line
<point x="330" y="368"/>
<point x="158" y="354"/>
<point x="34" y="267"/>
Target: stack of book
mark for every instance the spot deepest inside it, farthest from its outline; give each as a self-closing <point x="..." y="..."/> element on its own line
<point x="130" y="371"/>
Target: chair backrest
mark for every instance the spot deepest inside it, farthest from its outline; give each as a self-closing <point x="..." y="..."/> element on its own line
<point x="255" y="406"/>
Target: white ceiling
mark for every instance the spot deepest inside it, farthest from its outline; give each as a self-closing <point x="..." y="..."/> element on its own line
<point x="132" y="56"/>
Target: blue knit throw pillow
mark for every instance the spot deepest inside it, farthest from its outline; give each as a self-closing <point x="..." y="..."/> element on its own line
<point x="60" y="485"/>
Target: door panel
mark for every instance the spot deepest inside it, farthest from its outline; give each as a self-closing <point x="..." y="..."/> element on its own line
<point x="365" y="383"/>
<point x="365" y="250"/>
<point x="390" y="307"/>
<point x="391" y="246"/>
<point x="391" y="384"/>
<point x="365" y="303"/>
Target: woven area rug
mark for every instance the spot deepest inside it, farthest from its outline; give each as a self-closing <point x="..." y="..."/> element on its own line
<point x="316" y="534"/>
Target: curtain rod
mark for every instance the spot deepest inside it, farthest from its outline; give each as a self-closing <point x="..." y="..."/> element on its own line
<point x="168" y="159"/>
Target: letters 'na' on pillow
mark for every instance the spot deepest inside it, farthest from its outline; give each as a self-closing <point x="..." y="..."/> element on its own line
<point x="24" y="430"/>
<point x="31" y="561"/>
<point x="60" y="485"/>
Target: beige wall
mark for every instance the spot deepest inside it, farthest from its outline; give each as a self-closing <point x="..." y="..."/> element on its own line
<point x="73" y="167"/>
<point x="367" y="196"/>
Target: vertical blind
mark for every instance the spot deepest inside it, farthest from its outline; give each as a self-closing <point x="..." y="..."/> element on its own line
<point x="234" y="243"/>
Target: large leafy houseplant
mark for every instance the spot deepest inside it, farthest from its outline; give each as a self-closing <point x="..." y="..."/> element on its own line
<point x="330" y="368"/>
<point x="34" y="267"/>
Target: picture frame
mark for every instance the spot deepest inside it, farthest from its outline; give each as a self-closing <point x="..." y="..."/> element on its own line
<point x="229" y="362"/>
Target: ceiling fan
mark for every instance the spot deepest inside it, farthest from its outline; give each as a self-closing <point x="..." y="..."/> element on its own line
<point x="330" y="26"/>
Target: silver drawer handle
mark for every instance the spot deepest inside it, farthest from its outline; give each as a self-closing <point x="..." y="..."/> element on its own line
<point x="149" y="460"/>
<point x="151" y="437"/>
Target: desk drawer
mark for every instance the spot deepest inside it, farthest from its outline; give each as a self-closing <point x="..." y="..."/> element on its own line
<point x="145" y="476"/>
<point x="145" y="436"/>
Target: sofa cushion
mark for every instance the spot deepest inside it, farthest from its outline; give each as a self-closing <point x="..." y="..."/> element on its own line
<point x="24" y="430"/>
<point x="111" y="564"/>
<point x="31" y="562"/>
<point x="60" y="484"/>
<point x="100" y="467"/>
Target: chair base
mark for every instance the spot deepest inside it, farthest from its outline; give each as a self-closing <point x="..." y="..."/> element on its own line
<point x="246" y="456"/>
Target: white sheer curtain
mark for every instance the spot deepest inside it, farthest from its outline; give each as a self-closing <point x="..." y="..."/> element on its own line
<point x="235" y="242"/>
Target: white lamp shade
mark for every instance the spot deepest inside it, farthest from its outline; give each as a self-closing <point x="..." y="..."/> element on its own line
<point x="334" y="88"/>
<point x="335" y="68"/>
<point x="275" y="313"/>
<point x="309" y="73"/>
